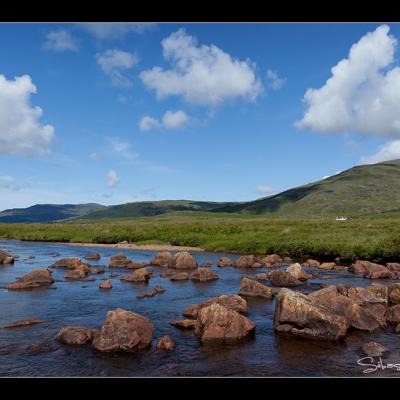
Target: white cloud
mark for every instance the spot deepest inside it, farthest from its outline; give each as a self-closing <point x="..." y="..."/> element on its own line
<point x="9" y="183"/>
<point x="112" y="178"/>
<point x="113" y="62"/>
<point x="174" y="120"/>
<point x="123" y="148"/>
<point x="20" y="130"/>
<point x="276" y="83"/>
<point x="147" y="123"/>
<point x="389" y="151"/>
<point x="60" y="40"/>
<point x="363" y="93"/>
<point x="203" y="75"/>
<point x="94" y="156"/>
<point x="265" y="189"/>
<point x="103" y="31"/>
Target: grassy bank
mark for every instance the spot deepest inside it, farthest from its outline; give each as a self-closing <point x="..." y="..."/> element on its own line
<point x="372" y="238"/>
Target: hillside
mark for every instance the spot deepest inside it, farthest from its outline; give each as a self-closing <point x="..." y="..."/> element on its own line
<point x="47" y="212"/>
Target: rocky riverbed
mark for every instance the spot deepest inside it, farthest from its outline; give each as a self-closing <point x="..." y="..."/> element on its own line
<point x="100" y="311"/>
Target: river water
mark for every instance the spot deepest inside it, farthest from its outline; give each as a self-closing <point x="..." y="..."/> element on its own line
<point x="80" y="303"/>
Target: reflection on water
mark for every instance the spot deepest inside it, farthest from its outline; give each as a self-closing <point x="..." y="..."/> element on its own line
<point x="83" y="304"/>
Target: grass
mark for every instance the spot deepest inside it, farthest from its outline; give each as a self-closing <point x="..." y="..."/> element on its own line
<point x="373" y="238"/>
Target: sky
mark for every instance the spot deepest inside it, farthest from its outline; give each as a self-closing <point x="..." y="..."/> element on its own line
<point x="116" y="113"/>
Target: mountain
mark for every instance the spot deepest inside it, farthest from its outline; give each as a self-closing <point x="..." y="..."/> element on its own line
<point x="47" y="212"/>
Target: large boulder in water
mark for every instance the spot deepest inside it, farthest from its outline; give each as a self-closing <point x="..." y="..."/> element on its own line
<point x="75" y="275"/>
<point x="69" y="263"/>
<point x="139" y="275"/>
<point x="245" y="261"/>
<point x="232" y="302"/>
<point x="92" y="256"/>
<point x="393" y="266"/>
<point x="297" y="272"/>
<point x="252" y="288"/>
<point x="165" y="343"/>
<point x="163" y="259"/>
<point x="393" y="314"/>
<point x="283" y="279"/>
<point x="123" y="331"/>
<point x="119" y="260"/>
<point x="312" y="263"/>
<point x="36" y="278"/>
<point x="218" y="323"/>
<point x="302" y="316"/>
<point x="377" y="271"/>
<point x="394" y="293"/>
<point x="225" y="262"/>
<point x="271" y="259"/>
<point x="75" y="335"/>
<point x="179" y="276"/>
<point x="184" y="260"/>
<point x="6" y="258"/>
<point x="203" y="275"/>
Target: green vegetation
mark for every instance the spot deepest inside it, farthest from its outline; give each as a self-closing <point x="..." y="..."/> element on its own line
<point x="372" y="238"/>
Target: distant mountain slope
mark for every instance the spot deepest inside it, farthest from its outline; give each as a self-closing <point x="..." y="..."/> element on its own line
<point x="361" y="190"/>
<point x="47" y="212"/>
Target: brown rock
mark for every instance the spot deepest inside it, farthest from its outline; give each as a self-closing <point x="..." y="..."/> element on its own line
<point x="380" y="291"/>
<point x="24" y="322"/>
<point x="139" y="275"/>
<point x="36" y="278"/>
<point x="397" y="330"/>
<point x="297" y="272"/>
<point x="358" y="267"/>
<point x="206" y="264"/>
<point x="92" y="256"/>
<point x="203" y="275"/>
<point x="75" y="335"/>
<point x="149" y="293"/>
<point x="377" y="271"/>
<point x="95" y="271"/>
<point x="184" y="260"/>
<point x="302" y="316"/>
<point x="106" y="284"/>
<point x="159" y="289"/>
<point x="225" y="262"/>
<point x="327" y="266"/>
<point x="313" y="263"/>
<point x="218" y="323"/>
<point x="394" y="293"/>
<point x="252" y="288"/>
<point x="163" y="259"/>
<point x="393" y="314"/>
<point x="245" y="261"/>
<point x="123" y="331"/>
<point x="271" y="259"/>
<point x="133" y="265"/>
<point x="6" y="258"/>
<point x="165" y="343"/>
<point x="232" y="302"/>
<point x="69" y="263"/>
<point x="184" y="324"/>
<point x="315" y="275"/>
<point x="393" y="266"/>
<point x="75" y="274"/>
<point x="283" y="279"/>
<point x="362" y="296"/>
<point x="119" y="260"/>
<point x="374" y="349"/>
<point x="262" y="277"/>
<point x="179" y="276"/>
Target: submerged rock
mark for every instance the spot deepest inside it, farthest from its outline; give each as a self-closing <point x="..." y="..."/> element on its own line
<point x="159" y="289"/>
<point x="179" y="276"/>
<point x="283" y="279"/>
<point x="75" y="335"/>
<point x="106" y="284"/>
<point x="123" y="331"/>
<point x="184" y="324"/>
<point x="92" y="256"/>
<point x="24" y="322"/>
<point x="92" y="270"/>
<point x="374" y="349"/>
<point x="36" y="278"/>
<point x="252" y="288"/>
<point x="165" y="343"/>
<point x="203" y="275"/>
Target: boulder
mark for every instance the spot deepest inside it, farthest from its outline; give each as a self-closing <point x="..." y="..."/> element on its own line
<point x="245" y="261"/>
<point x="165" y="343"/>
<point x="92" y="256"/>
<point x="362" y="296"/>
<point x="163" y="259"/>
<point x="75" y="274"/>
<point x="232" y="302"/>
<point x="315" y="275"/>
<point x="36" y="278"/>
<point x="374" y="349"/>
<point x="302" y="316"/>
<point x="69" y="263"/>
<point x="327" y="266"/>
<point x="75" y="335"/>
<point x="312" y="263"/>
<point x="207" y="264"/>
<point x="95" y="271"/>
<point x="106" y="284"/>
<point x="262" y="277"/>
<point x="225" y="262"/>
<point x="203" y="275"/>
<point x="283" y="279"/>
<point x="252" y="288"/>
<point x="6" y="258"/>
<point x="394" y="293"/>
<point x="393" y="266"/>
<point x="123" y="331"/>
<point x="179" y="276"/>
<point x="139" y="275"/>
<point x="218" y="323"/>
<point x="184" y="260"/>
<point x="393" y="314"/>
<point x="149" y="293"/>
<point x="271" y="259"/>
<point x="133" y="265"/>
<point x="297" y="272"/>
<point x="397" y="330"/>
<point x="24" y="322"/>
<point x="184" y="324"/>
<point x="358" y="267"/>
<point x="159" y="289"/>
<point x="119" y="260"/>
<point x="377" y="271"/>
<point x="379" y="291"/>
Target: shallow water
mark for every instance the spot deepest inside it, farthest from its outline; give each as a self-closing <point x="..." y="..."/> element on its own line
<point x="72" y="304"/>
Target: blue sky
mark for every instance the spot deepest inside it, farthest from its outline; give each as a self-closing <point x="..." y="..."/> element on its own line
<point x="190" y="111"/>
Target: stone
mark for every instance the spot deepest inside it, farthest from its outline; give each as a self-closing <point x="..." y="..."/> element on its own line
<point x="139" y="275"/>
<point x="297" y="272"/>
<point x="165" y="343"/>
<point x="315" y="275"/>
<point x="159" y="289"/>
<point x="36" y="278"/>
<point x="119" y="260"/>
<point x="133" y="265"/>
<point x="92" y="256"/>
<point x="24" y="322"/>
<point x="74" y="275"/>
<point x="245" y="261"/>
<point x="271" y="259"/>
<point x="163" y="259"/>
<point x="377" y="271"/>
<point x="232" y="302"/>
<point x="179" y="276"/>
<point x="283" y="279"/>
<point x="360" y="295"/>
<point x="69" y="263"/>
<point x="218" y="323"/>
<point x="379" y="291"/>
<point x="394" y="293"/>
<point x="257" y="265"/>
<point x="184" y="260"/>
<point x="123" y="331"/>
<point x="262" y="277"/>
<point x="184" y="324"/>
<point x="203" y="275"/>
<point x="374" y="349"/>
<point x="393" y="266"/>
<point x="252" y="288"/>
<point x="6" y="258"/>
<point x="106" y="284"/>
<point x="312" y="263"/>
<point x="327" y="266"/>
<point x="75" y="335"/>
<point x="225" y="262"/>
<point x="393" y="314"/>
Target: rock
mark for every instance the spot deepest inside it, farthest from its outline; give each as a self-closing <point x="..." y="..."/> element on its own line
<point x="232" y="302"/>
<point x="75" y="274"/>
<point x="133" y="265"/>
<point x="358" y="267"/>
<point x="163" y="259"/>
<point x="393" y="314"/>
<point x="252" y="288"/>
<point x="6" y="258"/>
<point x="95" y="271"/>
<point x="245" y="261"/>
<point x="393" y="266"/>
<point x="92" y="256"/>
<point x="124" y="242"/>
<point x="394" y="293"/>
<point x="283" y="279"/>
<point x="374" y="349"/>
<point x="257" y="265"/>
<point x="123" y="331"/>
<point x="184" y="260"/>
<point x="206" y="264"/>
<point x="69" y="263"/>
<point x="377" y="271"/>
<point x="179" y="276"/>
<point x="312" y="263"/>
<point x="271" y="259"/>
<point x="119" y="260"/>
<point x="203" y="275"/>
<point x="106" y="284"/>
<point x="287" y="260"/>
<point x="380" y="291"/>
<point x="36" y="278"/>
<point x="139" y="275"/>
<point x="24" y="322"/>
<point x="35" y="349"/>
<point x="315" y="275"/>
<point x="75" y="335"/>
<point x="165" y="343"/>
<point x="327" y="266"/>
<point x="218" y="323"/>
<point x="225" y="262"/>
<point x="159" y="289"/>
<point x="302" y="316"/>
<point x="297" y="272"/>
<point x="184" y="324"/>
<point x="397" y="330"/>
<point x="360" y="295"/>
<point x="149" y="293"/>
<point x="262" y="277"/>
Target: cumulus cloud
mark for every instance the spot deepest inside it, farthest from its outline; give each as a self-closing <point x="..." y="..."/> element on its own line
<point x="20" y="130"/>
<point x="114" y="62"/>
<point x="389" y="151"/>
<point x="275" y="82"/>
<point x="203" y="75"/>
<point x="265" y="189"/>
<point x="123" y="148"/>
<point x="112" y="178"/>
<point x="103" y="31"/>
<point x="60" y="40"/>
<point x="170" y="120"/>
<point x="363" y="93"/>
